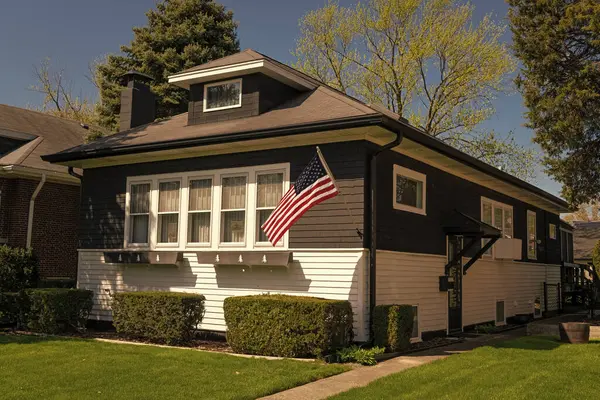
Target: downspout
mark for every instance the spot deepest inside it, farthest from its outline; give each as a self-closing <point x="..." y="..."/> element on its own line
<point x="373" y="231"/>
<point x="31" y="208"/>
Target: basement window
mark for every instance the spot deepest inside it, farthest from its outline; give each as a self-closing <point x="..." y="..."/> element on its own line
<point x="409" y="190"/>
<point x="500" y="315"/>
<point x="222" y="95"/>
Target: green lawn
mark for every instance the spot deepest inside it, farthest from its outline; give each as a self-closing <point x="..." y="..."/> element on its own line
<point x="54" y="368"/>
<point x="527" y="368"/>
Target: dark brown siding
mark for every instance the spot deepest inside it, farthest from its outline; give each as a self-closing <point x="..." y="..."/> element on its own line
<point x="326" y="225"/>
<point x="259" y="94"/>
<point x="55" y="221"/>
<point x="405" y="231"/>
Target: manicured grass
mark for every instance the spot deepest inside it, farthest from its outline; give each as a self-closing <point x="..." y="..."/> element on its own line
<point x="527" y="368"/>
<point x="55" y="368"/>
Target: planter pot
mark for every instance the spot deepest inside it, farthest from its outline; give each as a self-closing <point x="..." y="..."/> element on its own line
<point x="574" y="332"/>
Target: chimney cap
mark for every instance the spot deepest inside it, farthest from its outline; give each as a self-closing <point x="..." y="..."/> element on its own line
<point x="133" y="75"/>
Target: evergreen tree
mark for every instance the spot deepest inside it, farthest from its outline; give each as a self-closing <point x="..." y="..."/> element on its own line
<point x="558" y="43"/>
<point x="180" y="34"/>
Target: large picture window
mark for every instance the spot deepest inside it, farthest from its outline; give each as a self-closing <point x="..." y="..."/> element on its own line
<point x="204" y="209"/>
<point x="223" y="95"/>
<point x="409" y="190"/>
<point x="498" y="215"/>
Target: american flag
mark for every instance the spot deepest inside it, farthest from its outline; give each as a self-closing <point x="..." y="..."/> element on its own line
<point x="314" y="185"/>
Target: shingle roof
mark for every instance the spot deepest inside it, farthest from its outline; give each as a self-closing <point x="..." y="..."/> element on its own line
<point x="585" y="237"/>
<point x="53" y="134"/>
<point x="322" y="104"/>
<point x="243" y="56"/>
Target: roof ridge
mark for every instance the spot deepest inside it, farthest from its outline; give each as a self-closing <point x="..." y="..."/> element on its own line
<point x="18" y="155"/>
<point x="43" y="113"/>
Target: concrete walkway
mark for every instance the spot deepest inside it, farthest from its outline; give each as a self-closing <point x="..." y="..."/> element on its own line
<point x="362" y="376"/>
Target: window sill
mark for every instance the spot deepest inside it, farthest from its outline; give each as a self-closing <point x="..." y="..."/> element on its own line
<point x="221" y="108"/>
<point x="414" y="210"/>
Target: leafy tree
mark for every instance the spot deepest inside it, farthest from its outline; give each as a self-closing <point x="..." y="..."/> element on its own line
<point x="180" y="34"/>
<point x="586" y="212"/>
<point x="558" y="43"/>
<point x="423" y="59"/>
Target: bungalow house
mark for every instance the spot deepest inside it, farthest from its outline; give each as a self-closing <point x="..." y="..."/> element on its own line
<point x="177" y="205"/>
<point x="39" y="201"/>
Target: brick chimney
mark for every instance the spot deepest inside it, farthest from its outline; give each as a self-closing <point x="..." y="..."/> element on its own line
<point x="138" y="103"/>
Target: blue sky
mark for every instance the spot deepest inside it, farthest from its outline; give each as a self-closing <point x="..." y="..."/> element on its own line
<point x="73" y="33"/>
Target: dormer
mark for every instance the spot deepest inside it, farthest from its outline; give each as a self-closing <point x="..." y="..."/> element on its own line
<point x="242" y="85"/>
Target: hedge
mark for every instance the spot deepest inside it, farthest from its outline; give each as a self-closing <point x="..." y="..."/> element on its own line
<point x="167" y="317"/>
<point x="18" y="269"/>
<point x="392" y="326"/>
<point x="287" y="326"/>
<point x="10" y="308"/>
<point x="56" y="310"/>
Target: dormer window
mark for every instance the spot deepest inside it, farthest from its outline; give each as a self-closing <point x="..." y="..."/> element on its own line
<point x="223" y="95"/>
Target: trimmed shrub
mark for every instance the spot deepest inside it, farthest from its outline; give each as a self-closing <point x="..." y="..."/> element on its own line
<point x="56" y="310"/>
<point x="392" y="326"/>
<point x="360" y="355"/>
<point x="287" y="326"/>
<point x="167" y="317"/>
<point x="57" y="283"/>
<point x="10" y="308"/>
<point x="18" y="269"/>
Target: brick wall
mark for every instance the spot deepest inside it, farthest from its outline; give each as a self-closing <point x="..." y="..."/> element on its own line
<point x="55" y="223"/>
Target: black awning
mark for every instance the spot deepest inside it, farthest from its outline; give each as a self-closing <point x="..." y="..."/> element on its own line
<point x="462" y="224"/>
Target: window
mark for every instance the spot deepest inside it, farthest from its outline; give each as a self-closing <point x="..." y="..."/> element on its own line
<point x="415" y="330"/>
<point x="409" y="190"/>
<point x="212" y="209"/>
<point x="168" y="212"/>
<point x="531" y="235"/>
<point x="269" y="190"/>
<point x="139" y="214"/>
<point x="500" y="317"/>
<point x="552" y="231"/>
<point x="498" y="215"/>
<point x="223" y="95"/>
<point x="233" y="209"/>
<point x="199" y="210"/>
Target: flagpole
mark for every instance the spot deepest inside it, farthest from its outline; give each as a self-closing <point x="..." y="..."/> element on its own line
<point x="360" y="234"/>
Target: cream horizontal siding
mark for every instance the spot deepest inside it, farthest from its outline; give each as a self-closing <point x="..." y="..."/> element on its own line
<point x="333" y="274"/>
<point x="407" y="278"/>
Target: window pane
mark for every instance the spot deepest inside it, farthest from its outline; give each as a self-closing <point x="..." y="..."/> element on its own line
<point x="409" y="192"/>
<point x="261" y="218"/>
<point x="168" y="226"/>
<point x="139" y="228"/>
<point x="508" y="223"/>
<point x="486" y="213"/>
<point x="224" y="95"/>
<point x="200" y="194"/>
<point x="140" y="198"/>
<point x="234" y="193"/>
<point x="233" y="226"/>
<point x="168" y="200"/>
<point x="270" y="190"/>
<point x="415" y="330"/>
<point x="498" y="218"/>
<point x="199" y="228"/>
<point x="532" y="236"/>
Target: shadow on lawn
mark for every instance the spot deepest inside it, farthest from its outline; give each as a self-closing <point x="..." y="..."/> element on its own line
<point x="10" y="338"/>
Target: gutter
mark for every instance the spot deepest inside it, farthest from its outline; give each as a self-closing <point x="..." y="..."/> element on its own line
<point x="373" y="223"/>
<point x="31" y="208"/>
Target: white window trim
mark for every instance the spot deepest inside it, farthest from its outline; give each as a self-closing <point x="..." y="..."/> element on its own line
<point x="186" y="202"/>
<point x="204" y="103"/>
<point x="215" y="175"/>
<point x="529" y="212"/>
<point x="266" y="172"/>
<point x="409" y="173"/>
<point x="417" y="338"/>
<point x="550" y="231"/>
<point x="155" y="233"/>
<point x="128" y="214"/>
<point x="504" y="206"/>
<point x="246" y="209"/>
<point x="496" y="323"/>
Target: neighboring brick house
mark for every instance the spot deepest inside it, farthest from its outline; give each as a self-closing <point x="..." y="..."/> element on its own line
<point x="28" y="184"/>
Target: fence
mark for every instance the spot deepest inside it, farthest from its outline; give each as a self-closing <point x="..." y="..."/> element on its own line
<point x="552" y="297"/>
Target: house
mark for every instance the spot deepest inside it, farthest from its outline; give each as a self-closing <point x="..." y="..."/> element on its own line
<point x="177" y="205"/>
<point x="39" y="201"/>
